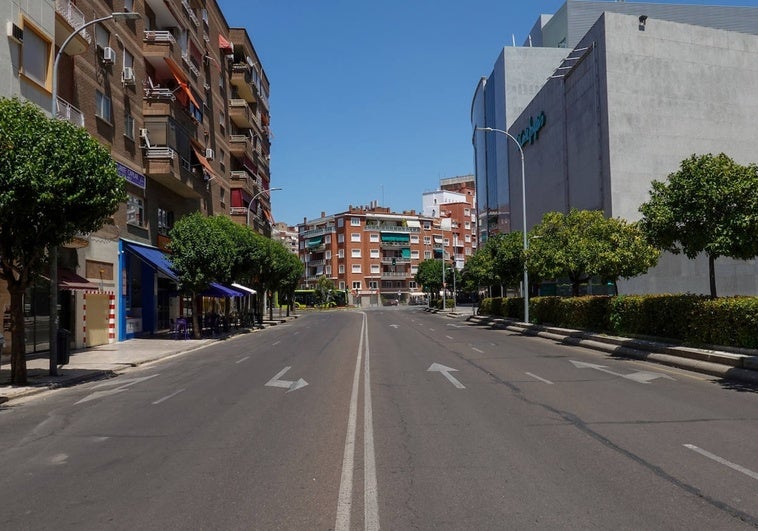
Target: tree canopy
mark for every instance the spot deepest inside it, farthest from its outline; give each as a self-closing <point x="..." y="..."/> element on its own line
<point x="583" y="244"/>
<point x="710" y="205"/>
<point x="56" y="181"/>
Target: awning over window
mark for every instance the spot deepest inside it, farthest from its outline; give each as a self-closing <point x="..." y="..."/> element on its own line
<point x="314" y="242"/>
<point x="154" y="258"/>
<point x="438" y="239"/>
<point x="224" y="44"/>
<point x="251" y="291"/>
<point x="181" y="79"/>
<point x="204" y="162"/>
<point x="413" y="223"/>
<point x="405" y="252"/>
<point x="395" y="237"/>
<point x="220" y="291"/>
<point x="68" y="280"/>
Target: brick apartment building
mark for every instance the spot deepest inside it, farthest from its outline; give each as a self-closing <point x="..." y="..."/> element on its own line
<point x="180" y="99"/>
<point x="374" y="253"/>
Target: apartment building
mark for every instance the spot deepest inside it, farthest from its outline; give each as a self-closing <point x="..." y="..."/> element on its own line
<point x="459" y="207"/>
<point x="286" y="234"/>
<point x="374" y="252"/>
<point x="180" y="99"/>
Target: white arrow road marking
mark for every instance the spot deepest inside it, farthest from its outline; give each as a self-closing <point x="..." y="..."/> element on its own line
<point x="394" y="325"/>
<point x="123" y="386"/>
<point x="436" y="367"/>
<point x="642" y="377"/>
<point x="723" y="461"/>
<point x="286" y="384"/>
<point x="538" y="378"/>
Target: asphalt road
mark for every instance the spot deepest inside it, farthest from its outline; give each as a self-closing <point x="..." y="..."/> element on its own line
<point x="392" y="418"/>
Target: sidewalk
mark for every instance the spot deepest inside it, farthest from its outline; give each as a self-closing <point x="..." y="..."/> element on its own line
<point x="103" y="361"/>
<point x="732" y="364"/>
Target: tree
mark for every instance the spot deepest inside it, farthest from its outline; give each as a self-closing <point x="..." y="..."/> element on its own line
<point x="55" y="181"/>
<point x="324" y="288"/>
<point x="202" y="251"/>
<point x="709" y="206"/>
<point x="293" y="271"/>
<point x="583" y="244"/>
<point x="429" y="275"/>
<point x="507" y="252"/>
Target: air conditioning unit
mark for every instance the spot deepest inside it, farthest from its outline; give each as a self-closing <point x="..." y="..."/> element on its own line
<point x="15" y="33"/>
<point x="143" y="132"/>
<point x="109" y="55"/>
<point x="209" y="154"/>
<point x="127" y="76"/>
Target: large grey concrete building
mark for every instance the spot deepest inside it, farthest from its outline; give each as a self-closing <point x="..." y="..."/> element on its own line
<point x="637" y="89"/>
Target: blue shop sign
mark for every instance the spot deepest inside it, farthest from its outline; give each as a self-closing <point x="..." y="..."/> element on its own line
<point x="130" y="175"/>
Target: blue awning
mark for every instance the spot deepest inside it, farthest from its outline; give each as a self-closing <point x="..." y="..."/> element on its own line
<point x="155" y="258"/>
<point x="221" y="291"/>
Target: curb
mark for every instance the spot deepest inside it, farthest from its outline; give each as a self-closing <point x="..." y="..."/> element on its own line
<point x="739" y="367"/>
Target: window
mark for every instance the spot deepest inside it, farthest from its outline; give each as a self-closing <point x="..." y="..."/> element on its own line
<point x="342" y="284"/>
<point x="128" y="5"/>
<point x="466" y="211"/>
<point x="328" y="238"/>
<point x="427" y="240"/>
<point x="414" y="238"/>
<point x="375" y="268"/>
<point x="468" y="251"/>
<point x="128" y="59"/>
<point x="102" y="106"/>
<point x="355" y="222"/>
<point x="342" y="269"/>
<point x="427" y="225"/>
<point x="467" y="238"/>
<point x="373" y="237"/>
<point x="467" y="225"/>
<point x="356" y="268"/>
<point x="341" y="222"/>
<point x="129" y="126"/>
<point x="328" y="255"/>
<point x="427" y="255"/>
<point x="373" y="284"/>
<point x="165" y="221"/>
<point x="447" y="242"/>
<point x="328" y="270"/>
<point x="412" y="284"/>
<point x="355" y="253"/>
<point x="414" y="254"/>
<point x="374" y="253"/>
<point x="414" y="269"/>
<point x="340" y="253"/>
<point x="36" y="55"/>
<point x="357" y="285"/>
<point x="102" y="38"/>
<point x="135" y="211"/>
<point x="222" y="196"/>
<point x="340" y="238"/>
<point x="355" y="237"/>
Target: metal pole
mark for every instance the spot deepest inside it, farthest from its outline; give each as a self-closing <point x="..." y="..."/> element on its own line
<point x="523" y="212"/>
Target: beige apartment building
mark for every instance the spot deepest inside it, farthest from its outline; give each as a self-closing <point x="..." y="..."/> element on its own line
<point x="180" y="99"/>
<point x="374" y="253"/>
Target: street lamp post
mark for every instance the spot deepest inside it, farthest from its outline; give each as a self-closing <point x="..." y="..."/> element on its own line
<point x="252" y="200"/>
<point x="523" y="212"/>
<point x="53" y="251"/>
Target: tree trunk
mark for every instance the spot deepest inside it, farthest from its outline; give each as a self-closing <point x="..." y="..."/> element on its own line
<point x="18" y="345"/>
<point x="197" y="308"/>
<point x="712" y="275"/>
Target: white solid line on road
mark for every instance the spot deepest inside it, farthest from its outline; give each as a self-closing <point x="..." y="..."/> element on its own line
<point x="345" y="500"/>
<point x="450" y="338"/>
<point x="477" y="350"/>
<point x="370" y="489"/>
<point x="538" y="378"/>
<point x="172" y="395"/>
<point x="723" y="461"/>
<point x="243" y="359"/>
<point x="275" y="343"/>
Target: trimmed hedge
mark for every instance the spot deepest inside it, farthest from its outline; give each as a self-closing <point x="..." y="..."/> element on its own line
<point x="692" y="319"/>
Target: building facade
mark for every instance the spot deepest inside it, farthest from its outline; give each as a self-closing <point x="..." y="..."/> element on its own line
<point x="639" y="88"/>
<point x="180" y="99"/>
<point x="374" y="252"/>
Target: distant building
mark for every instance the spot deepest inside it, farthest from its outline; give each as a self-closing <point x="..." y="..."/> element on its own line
<point x="286" y="234"/>
<point x="605" y="97"/>
<point x="459" y="208"/>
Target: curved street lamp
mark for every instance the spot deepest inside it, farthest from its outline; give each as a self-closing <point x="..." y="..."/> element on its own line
<point x="53" y="337"/>
<point x="523" y="211"/>
<point x="252" y="200"/>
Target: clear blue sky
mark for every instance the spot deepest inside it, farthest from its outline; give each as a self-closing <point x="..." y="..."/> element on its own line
<point x="370" y="100"/>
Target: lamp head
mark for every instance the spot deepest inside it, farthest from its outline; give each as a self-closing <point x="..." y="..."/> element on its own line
<point x="125" y="15"/>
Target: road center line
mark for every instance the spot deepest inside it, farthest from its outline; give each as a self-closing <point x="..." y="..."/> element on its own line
<point x="345" y="500"/>
<point x="450" y="338"/>
<point x="477" y="350"/>
<point x="275" y="343"/>
<point x="723" y="461"/>
<point x="172" y="395"/>
<point x="243" y="359"/>
<point x="538" y="378"/>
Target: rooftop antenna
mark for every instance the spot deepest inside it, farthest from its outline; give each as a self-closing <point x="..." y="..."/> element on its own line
<point x="530" y="40"/>
<point x="513" y="38"/>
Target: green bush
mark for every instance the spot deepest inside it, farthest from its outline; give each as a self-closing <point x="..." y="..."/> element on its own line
<point x="692" y="319"/>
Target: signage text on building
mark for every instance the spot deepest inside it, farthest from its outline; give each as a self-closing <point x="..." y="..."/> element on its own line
<point x="532" y="133"/>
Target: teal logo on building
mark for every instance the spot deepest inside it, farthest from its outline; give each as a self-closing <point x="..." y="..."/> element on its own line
<point x="531" y="133"/>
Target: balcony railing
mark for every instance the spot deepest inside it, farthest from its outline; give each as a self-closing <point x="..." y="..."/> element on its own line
<point x="398" y="261"/>
<point x="159" y="36"/>
<point x="390" y="228"/>
<point x="73" y="16"/>
<point x="66" y="111"/>
<point x="318" y="232"/>
<point x="160" y="153"/>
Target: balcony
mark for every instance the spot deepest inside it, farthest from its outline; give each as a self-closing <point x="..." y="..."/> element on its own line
<point x="240" y="145"/>
<point x="398" y="261"/>
<point x="162" y="164"/>
<point x="159" y="44"/>
<point x="382" y="227"/>
<point x="242" y="81"/>
<point x="242" y="180"/>
<point x="395" y="275"/>
<point x="66" y="111"/>
<point x="318" y="232"/>
<point x="241" y="114"/>
<point x="67" y="18"/>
